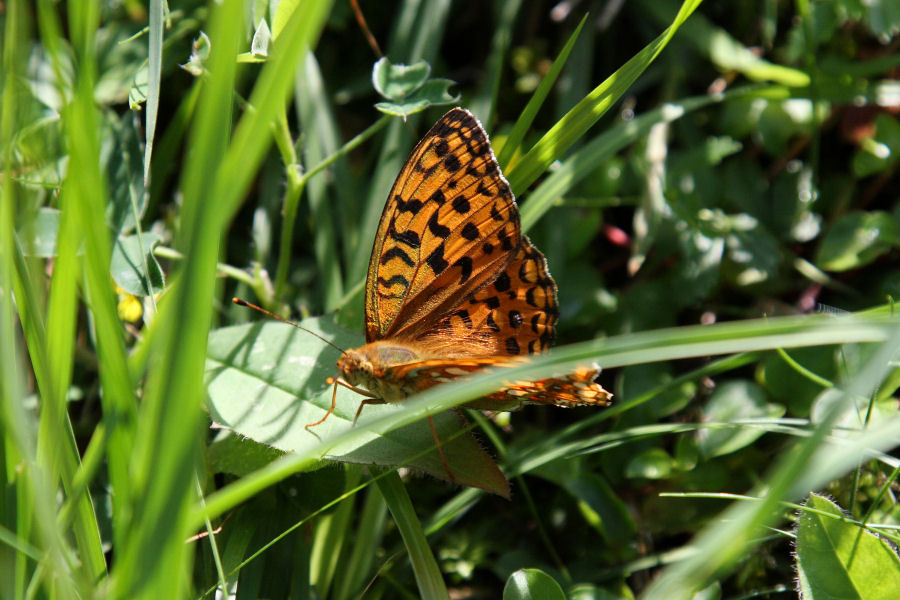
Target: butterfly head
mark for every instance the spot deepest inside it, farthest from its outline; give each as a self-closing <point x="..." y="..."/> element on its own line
<point x="366" y="367"/>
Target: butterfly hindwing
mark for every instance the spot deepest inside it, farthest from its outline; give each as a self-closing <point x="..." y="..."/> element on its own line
<point x="574" y="389"/>
<point x="515" y="314"/>
<point x="449" y="227"/>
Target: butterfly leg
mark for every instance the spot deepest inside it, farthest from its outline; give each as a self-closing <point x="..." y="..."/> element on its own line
<point x="335" y="383"/>
<point x="369" y="400"/>
<point x="330" y="410"/>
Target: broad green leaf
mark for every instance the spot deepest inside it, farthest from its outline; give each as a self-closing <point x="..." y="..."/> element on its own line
<point x="730" y="402"/>
<point x="532" y="584"/>
<point x="239" y="456"/>
<point x="858" y="239"/>
<point x="396" y="82"/>
<point x="132" y="263"/>
<point x="268" y="381"/>
<point x="836" y="558"/>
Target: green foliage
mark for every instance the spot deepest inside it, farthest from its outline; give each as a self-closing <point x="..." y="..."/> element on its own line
<point x="699" y="178"/>
<point x="839" y="558"/>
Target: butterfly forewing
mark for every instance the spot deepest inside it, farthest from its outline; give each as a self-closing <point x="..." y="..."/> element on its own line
<point x="450" y="226"/>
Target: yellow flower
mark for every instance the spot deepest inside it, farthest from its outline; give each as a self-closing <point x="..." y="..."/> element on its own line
<point x="130" y="308"/>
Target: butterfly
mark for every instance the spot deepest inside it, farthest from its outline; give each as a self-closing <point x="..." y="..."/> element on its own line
<point x="453" y="286"/>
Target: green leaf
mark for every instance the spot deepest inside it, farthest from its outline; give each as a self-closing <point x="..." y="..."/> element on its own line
<point x="653" y="463"/>
<point x="262" y="39"/>
<point x="268" y="381"/>
<point x="38" y="236"/>
<point x="858" y="239"/>
<point x="137" y="95"/>
<point x="836" y="558"/>
<point x="396" y="82"/>
<point x="730" y="402"/>
<point x="196" y="64"/>
<point x="125" y="170"/>
<point x="598" y="502"/>
<point x="239" y="456"/>
<point x="435" y="92"/>
<point x="532" y="584"/>
<point x="131" y="264"/>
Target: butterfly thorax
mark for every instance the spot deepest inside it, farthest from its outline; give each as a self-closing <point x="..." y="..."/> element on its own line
<point x="367" y="367"/>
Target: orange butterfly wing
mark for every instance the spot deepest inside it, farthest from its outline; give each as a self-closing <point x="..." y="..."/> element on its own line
<point x="453" y="281"/>
<point x="450" y="226"/>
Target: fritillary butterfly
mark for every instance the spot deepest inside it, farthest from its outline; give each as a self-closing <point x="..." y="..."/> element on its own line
<point x="453" y="286"/>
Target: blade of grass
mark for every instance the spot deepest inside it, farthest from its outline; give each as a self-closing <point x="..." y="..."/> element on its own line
<point x="18" y="442"/>
<point x="167" y="446"/>
<point x="320" y="140"/>
<point x="584" y="161"/>
<point x="637" y="348"/>
<point x="587" y="112"/>
<point x="86" y="199"/>
<point x="523" y="123"/>
<point x="330" y="536"/>
<point x="366" y="543"/>
<point x="56" y="442"/>
<point x="152" y="563"/>
<point x="427" y="573"/>
<point x="484" y="102"/>
<point x="720" y="48"/>
<point x="154" y="75"/>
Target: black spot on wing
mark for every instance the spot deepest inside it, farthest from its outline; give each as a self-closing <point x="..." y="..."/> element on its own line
<point x="396" y="279"/>
<point x="408" y="237"/>
<point x="484" y="190"/>
<point x="436" y="228"/>
<point x="436" y="260"/>
<point x="515" y="319"/>
<point x="438" y="196"/>
<point x="501" y="284"/>
<point x="505" y="242"/>
<point x="411" y="206"/>
<point x="441" y="148"/>
<point x="512" y="346"/>
<point x="461" y="205"/>
<point x="488" y="248"/>
<point x="470" y="232"/>
<point x="452" y="163"/>
<point x="465" y="265"/>
<point x="397" y="252"/>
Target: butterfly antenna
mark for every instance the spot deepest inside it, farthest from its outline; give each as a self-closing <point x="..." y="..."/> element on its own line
<point x="268" y="313"/>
